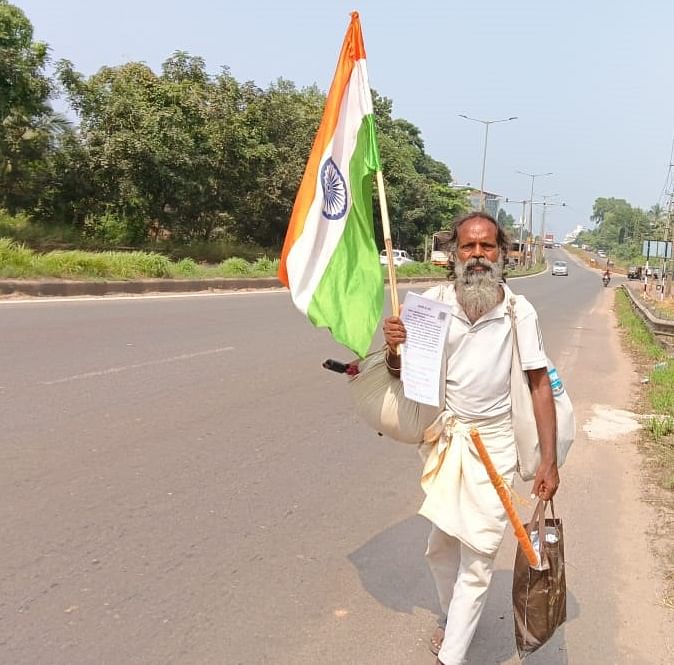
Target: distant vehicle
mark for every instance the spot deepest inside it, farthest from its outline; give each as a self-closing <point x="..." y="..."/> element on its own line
<point x="601" y="254"/>
<point x="440" y="248"/>
<point x="400" y="257"/>
<point x="634" y="272"/>
<point x="557" y="245"/>
<point x="549" y="240"/>
<point x="560" y="268"/>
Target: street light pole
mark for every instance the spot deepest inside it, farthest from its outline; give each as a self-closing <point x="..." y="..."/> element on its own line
<point x="545" y="207"/>
<point x="484" y="164"/>
<point x="533" y="177"/>
<point x="486" y="124"/>
<point x="519" y="247"/>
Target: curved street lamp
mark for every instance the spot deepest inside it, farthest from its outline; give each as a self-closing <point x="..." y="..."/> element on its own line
<point x="486" y="124"/>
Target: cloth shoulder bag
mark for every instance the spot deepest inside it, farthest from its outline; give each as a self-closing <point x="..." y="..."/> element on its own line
<point x="539" y="594"/>
<point x="523" y="419"/>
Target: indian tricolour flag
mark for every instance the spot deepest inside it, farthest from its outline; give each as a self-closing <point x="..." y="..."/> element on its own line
<point x="330" y="261"/>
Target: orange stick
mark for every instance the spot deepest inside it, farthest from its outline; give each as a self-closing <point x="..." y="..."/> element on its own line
<point x="504" y="495"/>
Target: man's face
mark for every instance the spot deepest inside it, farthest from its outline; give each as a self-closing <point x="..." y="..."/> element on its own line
<point x="478" y="268"/>
<point x="477" y="239"/>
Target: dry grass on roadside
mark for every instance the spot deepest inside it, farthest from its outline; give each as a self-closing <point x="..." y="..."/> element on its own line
<point x="657" y="439"/>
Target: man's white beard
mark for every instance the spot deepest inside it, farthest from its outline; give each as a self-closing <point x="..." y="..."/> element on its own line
<point x="478" y="292"/>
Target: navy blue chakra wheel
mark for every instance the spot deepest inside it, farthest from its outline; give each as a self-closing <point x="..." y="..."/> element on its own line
<point x="334" y="190"/>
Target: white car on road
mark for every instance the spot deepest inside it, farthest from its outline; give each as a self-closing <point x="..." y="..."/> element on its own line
<point x="400" y="257"/>
<point x="560" y="268"/>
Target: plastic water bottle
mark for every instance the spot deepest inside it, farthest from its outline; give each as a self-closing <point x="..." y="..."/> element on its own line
<point x="555" y="382"/>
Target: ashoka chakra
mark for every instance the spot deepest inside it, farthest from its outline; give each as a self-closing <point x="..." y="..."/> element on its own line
<point x="334" y="190"/>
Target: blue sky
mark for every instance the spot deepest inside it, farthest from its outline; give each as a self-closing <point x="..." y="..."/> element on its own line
<point x="587" y="78"/>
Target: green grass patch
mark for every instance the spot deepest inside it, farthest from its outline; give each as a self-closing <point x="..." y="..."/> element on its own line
<point x="638" y="335"/>
<point x="419" y="269"/>
<point x="535" y="269"/>
<point x="660" y="387"/>
<point x="19" y="262"/>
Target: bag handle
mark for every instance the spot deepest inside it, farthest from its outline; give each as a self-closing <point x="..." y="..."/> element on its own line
<point x="538" y="520"/>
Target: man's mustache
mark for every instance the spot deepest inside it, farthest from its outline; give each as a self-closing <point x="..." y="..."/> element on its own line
<point x="471" y="264"/>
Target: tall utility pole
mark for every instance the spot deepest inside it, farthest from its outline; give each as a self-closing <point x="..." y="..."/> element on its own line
<point x="486" y="124"/>
<point x="545" y="206"/>
<point x="522" y="222"/>
<point x="524" y="216"/>
<point x="533" y="177"/>
<point x="668" y="228"/>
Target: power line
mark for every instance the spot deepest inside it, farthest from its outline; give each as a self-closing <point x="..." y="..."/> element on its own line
<point x="669" y="173"/>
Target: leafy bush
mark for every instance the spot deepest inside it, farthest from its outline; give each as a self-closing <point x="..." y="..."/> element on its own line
<point x="71" y="264"/>
<point x="234" y="267"/>
<point x="265" y="266"/>
<point x="212" y="252"/>
<point x="186" y="268"/>
<point x="15" y="260"/>
<point x="108" y="229"/>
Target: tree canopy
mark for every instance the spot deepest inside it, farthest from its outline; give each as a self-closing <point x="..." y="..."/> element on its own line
<point x="184" y="154"/>
<point x="621" y="228"/>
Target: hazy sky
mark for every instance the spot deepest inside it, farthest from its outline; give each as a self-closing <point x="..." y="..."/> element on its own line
<point x="589" y="79"/>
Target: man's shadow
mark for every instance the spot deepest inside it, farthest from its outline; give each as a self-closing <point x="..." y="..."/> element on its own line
<point x="393" y="570"/>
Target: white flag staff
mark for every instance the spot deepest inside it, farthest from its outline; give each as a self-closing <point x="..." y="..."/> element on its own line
<point x="386" y="227"/>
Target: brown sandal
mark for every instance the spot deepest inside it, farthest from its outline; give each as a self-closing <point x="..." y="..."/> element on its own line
<point x="436" y="640"/>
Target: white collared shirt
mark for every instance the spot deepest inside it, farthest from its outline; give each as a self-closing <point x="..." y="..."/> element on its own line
<point x="479" y="355"/>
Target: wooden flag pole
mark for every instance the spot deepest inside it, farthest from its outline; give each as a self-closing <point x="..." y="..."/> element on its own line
<point x="395" y="305"/>
<point x="504" y="495"/>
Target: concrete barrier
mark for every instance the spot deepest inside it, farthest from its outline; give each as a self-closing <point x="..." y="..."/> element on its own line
<point x="663" y="329"/>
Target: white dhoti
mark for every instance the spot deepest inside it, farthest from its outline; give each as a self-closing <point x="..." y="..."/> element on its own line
<point x="460" y="498"/>
<point x="468" y="520"/>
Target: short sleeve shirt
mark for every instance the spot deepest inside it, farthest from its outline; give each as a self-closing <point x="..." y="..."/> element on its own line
<point x="479" y="356"/>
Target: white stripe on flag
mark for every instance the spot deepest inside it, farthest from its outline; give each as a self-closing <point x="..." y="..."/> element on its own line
<point x="312" y="251"/>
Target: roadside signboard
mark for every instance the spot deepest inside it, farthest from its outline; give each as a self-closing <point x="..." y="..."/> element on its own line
<point x="657" y="248"/>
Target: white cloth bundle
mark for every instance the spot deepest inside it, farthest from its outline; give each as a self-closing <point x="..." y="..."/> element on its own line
<point x="380" y="401"/>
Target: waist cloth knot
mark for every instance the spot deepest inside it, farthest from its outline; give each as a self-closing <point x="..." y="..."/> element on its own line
<point x="460" y="498"/>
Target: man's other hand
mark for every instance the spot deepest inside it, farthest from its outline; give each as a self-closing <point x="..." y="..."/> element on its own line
<point x="546" y="481"/>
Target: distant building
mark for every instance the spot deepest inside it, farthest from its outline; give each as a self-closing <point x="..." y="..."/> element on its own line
<point x="492" y="202"/>
<point x="573" y="235"/>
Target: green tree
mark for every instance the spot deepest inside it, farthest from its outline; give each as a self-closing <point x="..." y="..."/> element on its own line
<point x="418" y="188"/>
<point x="285" y="120"/>
<point x="619" y="228"/>
<point x="506" y="220"/>
<point x="27" y="123"/>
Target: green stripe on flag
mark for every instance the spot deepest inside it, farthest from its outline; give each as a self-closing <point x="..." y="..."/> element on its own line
<point x="349" y="299"/>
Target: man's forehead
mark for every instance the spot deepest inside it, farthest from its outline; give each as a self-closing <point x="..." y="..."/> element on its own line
<point x="477" y="226"/>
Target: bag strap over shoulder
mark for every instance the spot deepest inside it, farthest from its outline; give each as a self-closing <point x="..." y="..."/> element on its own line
<point x="513" y="325"/>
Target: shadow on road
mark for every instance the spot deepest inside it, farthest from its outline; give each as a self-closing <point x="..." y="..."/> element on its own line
<point x="393" y="570"/>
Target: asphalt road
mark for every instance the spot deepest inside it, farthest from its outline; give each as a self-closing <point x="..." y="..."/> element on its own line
<point x="183" y="484"/>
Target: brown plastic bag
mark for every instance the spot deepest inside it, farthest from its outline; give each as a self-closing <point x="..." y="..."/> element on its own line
<point x="539" y="596"/>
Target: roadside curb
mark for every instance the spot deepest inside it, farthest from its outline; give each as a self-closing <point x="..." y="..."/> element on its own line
<point x="657" y="325"/>
<point x="65" y="288"/>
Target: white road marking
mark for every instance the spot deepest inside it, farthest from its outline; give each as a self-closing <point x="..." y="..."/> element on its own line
<point x="126" y="368"/>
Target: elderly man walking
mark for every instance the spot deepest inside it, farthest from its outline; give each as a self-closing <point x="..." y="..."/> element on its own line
<point x="468" y="519"/>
